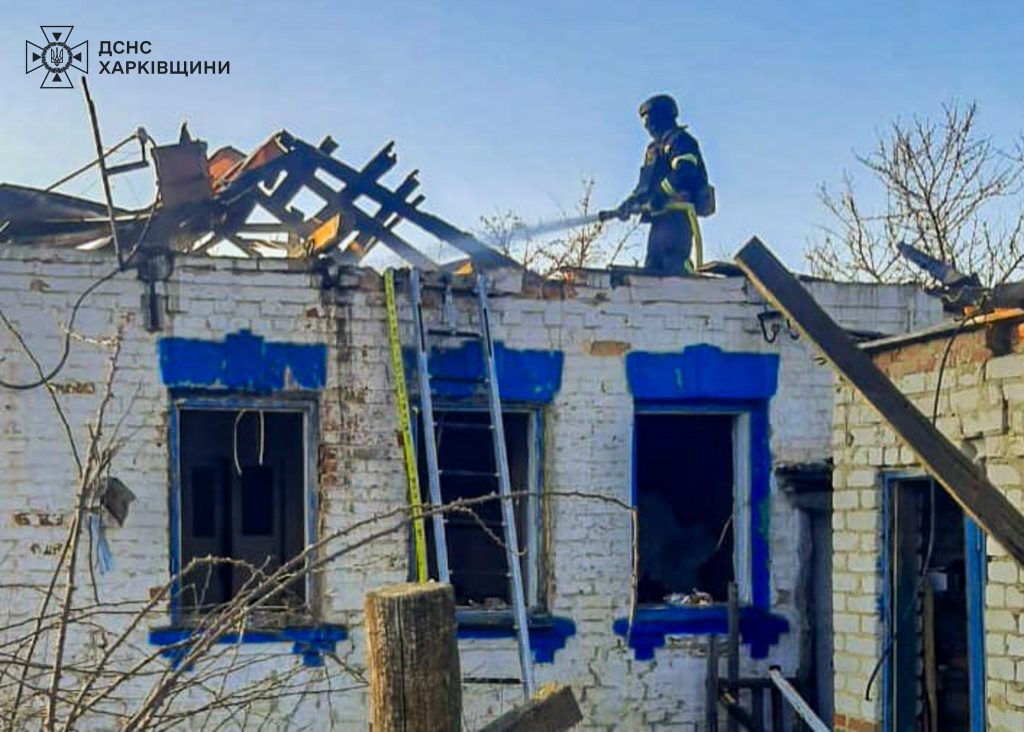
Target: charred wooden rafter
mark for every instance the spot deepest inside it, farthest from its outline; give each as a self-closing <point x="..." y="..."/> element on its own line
<point x="270" y="179"/>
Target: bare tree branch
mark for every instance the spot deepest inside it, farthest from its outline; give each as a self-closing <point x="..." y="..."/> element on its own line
<point x="593" y="244"/>
<point x="945" y="188"/>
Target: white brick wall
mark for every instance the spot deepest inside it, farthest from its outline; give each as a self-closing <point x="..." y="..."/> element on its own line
<point x="588" y="432"/>
<point x="980" y="411"/>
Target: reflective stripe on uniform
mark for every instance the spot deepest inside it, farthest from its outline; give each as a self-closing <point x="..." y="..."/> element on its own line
<point x="675" y="207"/>
<point x="691" y="214"/>
<point x="698" y="240"/>
<point x="666" y="185"/>
<point x="680" y="159"/>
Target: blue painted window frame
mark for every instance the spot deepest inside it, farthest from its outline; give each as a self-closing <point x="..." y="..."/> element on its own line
<point x="528" y="381"/>
<point x="548" y="633"/>
<point x="976" y="566"/>
<point x="759" y="627"/>
<point x="306" y="404"/>
<point x="536" y="601"/>
<point x="758" y="485"/>
<point x="977" y="579"/>
<point x="705" y="377"/>
<point x="311" y="643"/>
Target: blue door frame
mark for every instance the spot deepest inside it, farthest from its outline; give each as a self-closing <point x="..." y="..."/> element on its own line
<point x="975" y="560"/>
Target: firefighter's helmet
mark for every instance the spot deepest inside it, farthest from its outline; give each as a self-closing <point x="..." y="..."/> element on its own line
<point x="660" y="107"/>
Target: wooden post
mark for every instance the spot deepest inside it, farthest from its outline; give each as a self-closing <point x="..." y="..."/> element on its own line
<point x="734" y="650"/>
<point x="778" y="713"/>
<point x="413" y="658"/>
<point x="757" y="706"/>
<point x="711" y="711"/>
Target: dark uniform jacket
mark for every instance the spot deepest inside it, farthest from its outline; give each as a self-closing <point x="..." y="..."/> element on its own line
<point x="673" y="172"/>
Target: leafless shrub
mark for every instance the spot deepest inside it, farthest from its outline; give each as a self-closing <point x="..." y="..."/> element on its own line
<point x="82" y="661"/>
<point x="587" y="243"/>
<point x="946" y="189"/>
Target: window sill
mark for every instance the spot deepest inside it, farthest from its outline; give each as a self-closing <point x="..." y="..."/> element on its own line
<point x="309" y="642"/>
<point x="759" y="628"/>
<point x="548" y="633"/>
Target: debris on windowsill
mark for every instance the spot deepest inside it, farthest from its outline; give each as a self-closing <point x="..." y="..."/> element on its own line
<point x="682" y="599"/>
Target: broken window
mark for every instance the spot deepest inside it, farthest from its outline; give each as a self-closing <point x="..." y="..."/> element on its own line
<point x="242" y="485"/>
<point x="685" y="476"/>
<point x="476" y="559"/>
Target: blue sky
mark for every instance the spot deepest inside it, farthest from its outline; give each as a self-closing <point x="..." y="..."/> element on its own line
<point x="507" y="105"/>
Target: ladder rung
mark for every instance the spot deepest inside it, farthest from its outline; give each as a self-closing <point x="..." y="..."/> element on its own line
<point x="467" y="473"/>
<point x="459" y="379"/>
<point x="481" y="573"/>
<point x="448" y="333"/>
<point x="457" y="520"/>
<point x="466" y="425"/>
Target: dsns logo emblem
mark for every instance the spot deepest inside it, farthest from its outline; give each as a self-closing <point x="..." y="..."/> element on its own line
<point x="57" y="57"/>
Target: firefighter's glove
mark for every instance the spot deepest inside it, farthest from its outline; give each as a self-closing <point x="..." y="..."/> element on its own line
<point x="629" y="207"/>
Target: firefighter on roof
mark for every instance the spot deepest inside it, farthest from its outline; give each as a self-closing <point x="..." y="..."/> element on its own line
<point x="672" y="191"/>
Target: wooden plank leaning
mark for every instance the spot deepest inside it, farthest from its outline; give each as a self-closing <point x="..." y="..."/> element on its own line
<point x="961" y="478"/>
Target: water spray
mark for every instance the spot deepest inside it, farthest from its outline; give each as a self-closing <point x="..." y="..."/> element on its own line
<point x="523" y="233"/>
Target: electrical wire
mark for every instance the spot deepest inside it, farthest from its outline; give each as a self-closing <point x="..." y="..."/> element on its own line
<point x="234" y="438"/>
<point x="46" y="378"/>
<point x="66" y="351"/>
<point x="78" y="171"/>
<point x="263" y="437"/>
<point x="926" y="564"/>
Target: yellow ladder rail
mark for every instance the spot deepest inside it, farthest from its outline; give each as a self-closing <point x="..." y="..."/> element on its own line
<point x="405" y="426"/>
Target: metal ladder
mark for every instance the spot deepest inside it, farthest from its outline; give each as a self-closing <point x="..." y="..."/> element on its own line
<point x="497" y="431"/>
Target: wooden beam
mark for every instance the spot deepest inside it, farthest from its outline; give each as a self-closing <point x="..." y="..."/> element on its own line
<point x="711" y="686"/>
<point x="553" y="709"/>
<point x="461" y="240"/>
<point x="361" y="245"/>
<point x="963" y="480"/>
<point x="733" y="666"/>
<point x="368" y="225"/>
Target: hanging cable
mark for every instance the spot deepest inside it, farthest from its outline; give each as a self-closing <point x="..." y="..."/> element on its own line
<point x="66" y="350"/>
<point x="263" y="440"/>
<point x="95" y="161"/>
<point x="67" y="337"/>
<point x="261" y="447"/>
<point x="234" y="440"/>
<point x="122" y="260"/>
<point x="925" y="565"/>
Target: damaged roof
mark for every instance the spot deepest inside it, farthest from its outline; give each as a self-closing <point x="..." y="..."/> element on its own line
<point x="247" y="202"/>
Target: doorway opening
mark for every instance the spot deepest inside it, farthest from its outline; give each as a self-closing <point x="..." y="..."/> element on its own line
<point x="928" y="613"/>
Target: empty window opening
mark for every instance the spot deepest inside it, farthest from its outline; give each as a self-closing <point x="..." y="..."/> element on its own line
<point x="466" y="467"/>
<point x="243" y="480"/>
<point x="929" y="661"/>
<point x="684" y="498"/>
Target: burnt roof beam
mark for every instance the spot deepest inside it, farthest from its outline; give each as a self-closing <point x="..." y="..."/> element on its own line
<point x="361" y="245"/>
<point x="338" y="202"/>
<point x="461" y="240"/>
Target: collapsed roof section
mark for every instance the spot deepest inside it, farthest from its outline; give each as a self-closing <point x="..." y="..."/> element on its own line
<point x="245" y="205"/>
